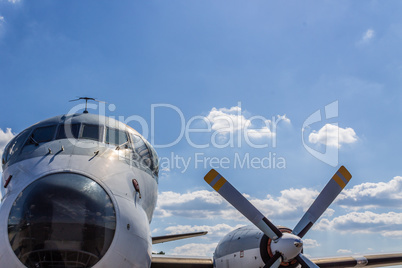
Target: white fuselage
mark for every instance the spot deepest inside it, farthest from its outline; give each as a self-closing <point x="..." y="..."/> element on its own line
<point x="104" y="165"/>
<point x="247" y="246"/>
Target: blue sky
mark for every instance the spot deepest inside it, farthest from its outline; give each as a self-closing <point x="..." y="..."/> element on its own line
<point x="252" y="63"/>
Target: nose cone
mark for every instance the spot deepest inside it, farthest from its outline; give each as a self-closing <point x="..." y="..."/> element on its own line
<point x="62" y="220"/>
<point x="289" y="245"/>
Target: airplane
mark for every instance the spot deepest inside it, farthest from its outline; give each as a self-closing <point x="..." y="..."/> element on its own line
<point x="79" y="190"/>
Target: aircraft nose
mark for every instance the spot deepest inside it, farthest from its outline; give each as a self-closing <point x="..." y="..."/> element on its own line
<point x="62" y="220"/>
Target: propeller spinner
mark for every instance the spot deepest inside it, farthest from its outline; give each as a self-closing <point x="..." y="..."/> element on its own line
<point x="286" y="246"/>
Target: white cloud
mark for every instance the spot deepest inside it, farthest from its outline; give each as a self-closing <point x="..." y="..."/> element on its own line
<point x="14" y="1"/>
<point x="283" y="118"/>
<point x="364" y="222"/>
<point x="372" y="195"/>
<point x="364" y="196"/>
<point x="229" y="121"/>
<point x="218" y="230"/>
<point x="393" y="234"/>
<point x="171" y="198"/>
<point x="310" y="243"/>
<point x="368" y="35"/>
<point x="195" y="249"/>
<point x="198" y="204"/>
<point x="291" y="204"/>
<point x="2" y="19"/>
<point x="331" y="135"/>
<point x="328" y="213"/>
<point x="5" y="137"/>
<point x="344" y="251"/>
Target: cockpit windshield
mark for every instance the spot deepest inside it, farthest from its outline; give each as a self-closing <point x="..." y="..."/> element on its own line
<point x="116" y="136"/>
<point x="14" y="146"/>
<point x="136" y="148"/>
<point x="91" y="132"/>
<point x="144" y="153"/>
<point x="68" y="131"/>
<point x="42" y="134"/>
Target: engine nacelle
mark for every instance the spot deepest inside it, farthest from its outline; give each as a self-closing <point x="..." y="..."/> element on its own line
<point x="247" y="247"/>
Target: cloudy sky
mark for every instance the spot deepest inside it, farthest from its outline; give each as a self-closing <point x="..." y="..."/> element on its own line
<point x="276" y="95"/>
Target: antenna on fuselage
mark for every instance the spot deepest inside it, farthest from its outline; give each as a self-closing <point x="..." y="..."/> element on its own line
<point x="86" y="102"/>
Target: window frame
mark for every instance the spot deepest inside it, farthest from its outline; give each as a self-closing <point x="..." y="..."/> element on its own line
<point x="152" y="155"/>
<point x="39" y="127"/>
<point x="62" y="126"/>
<point x="6" y="157"/>
<point x="100" y="133"/>
<point x="117" y="130"/>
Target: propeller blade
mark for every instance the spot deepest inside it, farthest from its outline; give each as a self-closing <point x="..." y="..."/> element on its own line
<point x="324" y="199"/>
<point x="275" y="261"/>
<point x="234" y="197"/>
<point x="305" y="262"/>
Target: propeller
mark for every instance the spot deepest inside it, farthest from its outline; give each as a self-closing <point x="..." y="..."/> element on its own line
<point x="275" y="261"/>
<point x="305" y="262"/>
<point x="322" y="202"/>
<point x="234" y="197"/>
<point x="286" y="247"/>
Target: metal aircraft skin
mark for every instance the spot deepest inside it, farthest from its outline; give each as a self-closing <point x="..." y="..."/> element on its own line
<point x="80" y="190"/>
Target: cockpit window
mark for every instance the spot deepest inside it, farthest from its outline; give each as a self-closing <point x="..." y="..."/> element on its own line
<point x="141" y="150"/>
<point x="91" y="132"/>
<point x="144" y="153"/>
<point x="155" y="160"/>
<point x="14" y="146"/>
<point x="116" y="136"/>
<point x="42" y="134"/>
<point x="154" y="156"/>
<point x="68" y="131"/>
<point x="134" y="148"/>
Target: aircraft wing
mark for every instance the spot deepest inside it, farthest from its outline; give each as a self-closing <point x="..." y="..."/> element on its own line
<point x="161" y="261"/>
<point x="377" y="260"/>
<point x="168" y="238"/>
